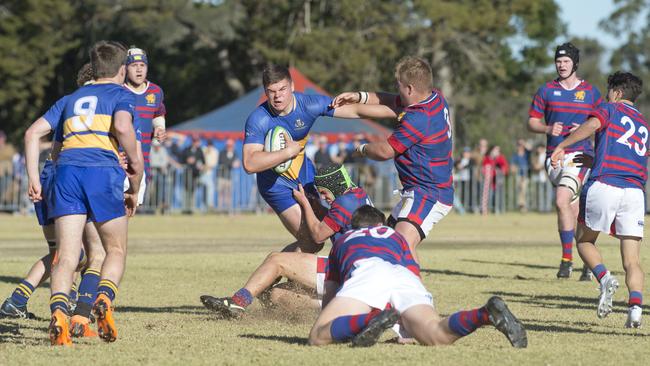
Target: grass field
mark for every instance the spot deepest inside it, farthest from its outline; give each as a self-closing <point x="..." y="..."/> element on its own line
<point x="173" y="260"/>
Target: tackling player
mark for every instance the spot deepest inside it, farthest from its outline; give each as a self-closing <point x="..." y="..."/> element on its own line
<point x="372" y="269"/>
<point x="97" y="118"/>
<point x="335" y="186"/>
<point x="564" y="104"/>
<point x="420" y="145"/>
<point x="613" y="199"/>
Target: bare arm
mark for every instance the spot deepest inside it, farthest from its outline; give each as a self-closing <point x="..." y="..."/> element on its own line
<point x="125" y="135"/>
<point x="33" y="136"/>
<point x="318" y="230"/>
<point x="584" y="131"/>
<point x="364" y="111"/>
<point x="257" y="160"/>
<point x="370" y="98"/>
<point x="377" y="150"/>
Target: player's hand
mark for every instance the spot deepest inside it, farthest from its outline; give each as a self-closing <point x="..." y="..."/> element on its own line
<point x="574" y="126"/>
<point x="130" y="203"/>
<point x="124" y="162"/>
<point x="345" y="98"/>
<point x="34" y="191"/>
<point x="557" y="157"/>
<point x="584" y="161"/>
<point x="293" y="148"/>
<point x="299" y="195"/>
<point x="556" y="129"/>
<point x="160" y="134"/>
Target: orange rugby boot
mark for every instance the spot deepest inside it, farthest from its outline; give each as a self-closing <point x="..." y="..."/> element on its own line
<point x="59" y="331"/>
<point x="104" y="316"/>
<point x="80" y="327"/>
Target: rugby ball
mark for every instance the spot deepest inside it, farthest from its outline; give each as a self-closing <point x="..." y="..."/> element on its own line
<point x="276" y="139"/>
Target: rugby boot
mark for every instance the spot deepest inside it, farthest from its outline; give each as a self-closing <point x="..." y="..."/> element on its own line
<point x="59" y="331"/>
<point x="586" y="274"/>
<point x="80" y="327"/>
<point x="224" y="306"/>
<point x="104" y="317"/>
<point x="506" y="323"/>
<point x="566" y="267"/>
<point x="375" y="328"/>
<point x="633" y="317"/>
<point x="9" y="309"/>
<point x="608" y="286"/>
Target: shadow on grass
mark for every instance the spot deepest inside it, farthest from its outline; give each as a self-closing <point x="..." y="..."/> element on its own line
<point x="285" y="339"/>
<point x="567" y="327"/>
<point x="448" y="272"/>
<point x="513" y="264"/>
<point x="559" y="302"/>
<point x="10" y="333"/>
<point x="10" y="279"/>
<point x="183" y="309"/>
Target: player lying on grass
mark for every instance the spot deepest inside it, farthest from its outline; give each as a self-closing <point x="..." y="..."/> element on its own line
<point x="373" y="281"/>
<point x="335" y="187"/>
<point x="613" y="199"/>
<point x="16" y="305"/>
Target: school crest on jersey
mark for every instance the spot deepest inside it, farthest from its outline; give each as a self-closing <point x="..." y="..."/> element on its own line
<point x="151" y="98"/>
<point x="579" y="96"/>
<point x="400" y="116"/>
<point x="299" y="124"/>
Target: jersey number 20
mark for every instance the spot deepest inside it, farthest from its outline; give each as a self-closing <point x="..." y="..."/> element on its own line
<point x="641" y="148"/>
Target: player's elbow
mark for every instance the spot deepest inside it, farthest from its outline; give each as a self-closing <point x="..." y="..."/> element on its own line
<point x="249" y="167"/>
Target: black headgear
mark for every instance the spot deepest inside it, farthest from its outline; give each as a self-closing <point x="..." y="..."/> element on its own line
<point x="570" y="51"/>
<point x="334" y="178"/>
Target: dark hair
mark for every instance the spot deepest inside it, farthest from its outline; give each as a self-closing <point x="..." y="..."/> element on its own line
<point x="106" y="58"/>
<point x="366" y="216"/>
<point x="85" y="74"/>
<point x="625" y="82"/>
<point x="273" y="73"/>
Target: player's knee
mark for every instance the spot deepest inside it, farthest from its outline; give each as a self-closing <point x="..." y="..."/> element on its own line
<point x="632" y="264"/>
<point x="315" y="338"/>
<point x="67" y="262"/>
<point x="96" y="260"/>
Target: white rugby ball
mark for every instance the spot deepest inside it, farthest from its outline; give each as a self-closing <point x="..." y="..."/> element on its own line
<point x="276" y="139"/>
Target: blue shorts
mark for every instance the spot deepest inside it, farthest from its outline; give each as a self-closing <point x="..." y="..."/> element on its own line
<point x="94" y="191"/>
<point x="40" y="207"/>
<point x="280" y="195"/>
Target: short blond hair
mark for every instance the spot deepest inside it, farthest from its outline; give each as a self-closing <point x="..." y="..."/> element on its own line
<point x="415" y="71"/>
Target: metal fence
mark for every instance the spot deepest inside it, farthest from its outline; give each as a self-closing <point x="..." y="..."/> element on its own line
<point x="182" y="190"/>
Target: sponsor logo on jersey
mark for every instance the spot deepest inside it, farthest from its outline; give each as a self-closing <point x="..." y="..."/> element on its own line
<point x="579" y="95"/>
<point x="299" y="124"/>
<point x="557" y="93"/>
<point x="401" y="115"/>
<point x="151" y="98"/>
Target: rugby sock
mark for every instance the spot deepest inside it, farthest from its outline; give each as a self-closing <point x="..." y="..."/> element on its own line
<point x="108" y="288"/>
<point x="599" y="271"/>
<point x="636" y="298"/>
<point x="59" y="301"/>
<point x="344" y="328"/>
<point x="22" y="293"/>
<point x="243" y="297"/>
<point x="87" y="292"/>
<point x="466" y="321"/>
<point x="566" y="237"/>
<point x="73" y="292"/>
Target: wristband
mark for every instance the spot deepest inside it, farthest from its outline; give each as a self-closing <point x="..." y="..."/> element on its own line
<point x="363" y="97"/>
<point x="158" y="122"/>
<point x="362" y="149"/>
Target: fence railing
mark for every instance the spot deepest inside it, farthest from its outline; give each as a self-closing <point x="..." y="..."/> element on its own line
<point x="183" y="190"/>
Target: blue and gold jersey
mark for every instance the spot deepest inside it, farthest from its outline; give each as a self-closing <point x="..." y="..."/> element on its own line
<point x="87" y="122"/>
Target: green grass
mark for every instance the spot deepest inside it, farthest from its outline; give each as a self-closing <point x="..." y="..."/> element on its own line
<point x="173" y="260"/>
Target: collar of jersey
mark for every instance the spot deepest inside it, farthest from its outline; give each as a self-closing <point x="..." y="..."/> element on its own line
<point x="428" y="100"/>
<point x="135" y="92"/>
<point x="574" y="88"/>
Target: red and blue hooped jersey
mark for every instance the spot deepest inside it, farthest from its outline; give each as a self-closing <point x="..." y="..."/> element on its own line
<point x="556" y="104"/>
<point x="375" y="242"/>
<point x="298" y="123"/>
<point x="149" y="104"/>
<point x="422" y="142"/>
<point x="621" y="146"/>
<point x="339" y="216"/>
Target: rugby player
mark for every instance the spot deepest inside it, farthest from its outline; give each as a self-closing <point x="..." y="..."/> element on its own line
<point x="420" y="145"/>
<point x="613" y="198"/>
<point x="373" y="281"/>
<point x="336" y="188"/>
<point x="564" y="104"/>
<point x="97" y="119"/>
<point x="38" y="188"/>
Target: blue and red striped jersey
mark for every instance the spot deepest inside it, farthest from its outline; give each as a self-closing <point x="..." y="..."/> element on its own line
<point x="375" y="242"/>
<point x="422" y="142"/>
<point x="621" y="146"/>
<point x="557" y="104"/>
<point x="149" y="104"/>
<point x="339" y="216"/>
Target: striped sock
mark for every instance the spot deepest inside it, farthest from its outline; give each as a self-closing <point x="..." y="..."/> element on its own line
<point x="22" y="293"/>
<point x="108" y="288"/>
<point x="344" y="328"/>
<point x="73" y="292"/>
<point x="243" y="297"/>
<point x="599" y="271"/>
<point x="636" y="298"/>
<point x="467" y="321"/>
<point x="566" y="238"/>
<point x="87" y="292"/>
<point x="59" y="301"/>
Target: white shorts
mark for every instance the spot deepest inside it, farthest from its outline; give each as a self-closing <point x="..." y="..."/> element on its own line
<point x="613" y="210"/>
<point x="143" y="187"/>
<point x="419" y="210"/>
<point x="321" y="268"/>
<point x="376" y="283"/>
<point x="567" y="170"/>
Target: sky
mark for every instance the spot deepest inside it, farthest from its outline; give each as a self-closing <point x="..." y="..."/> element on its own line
<point x="582" y="17"/>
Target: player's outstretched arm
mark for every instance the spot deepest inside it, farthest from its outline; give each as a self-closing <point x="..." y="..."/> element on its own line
<point x="364" y="111"/>
<point x="318" y="230"/>
<point x="583" y="132"/>
<point x="257" y="160"/>
<point x="380" y="150"/>
<point x="361" y="97"/>
<point x="33" y="135"/>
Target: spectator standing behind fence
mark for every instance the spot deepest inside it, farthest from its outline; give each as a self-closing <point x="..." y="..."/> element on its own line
<point x="159" y="161"/>
<point x="521" y="168"/>
<point x="228" y="161"/>
<point x="478" y="154"/>
<point x="208" y="174"/>
<point x="463" y="177"/>
<point x="7" y="152"/>
<point x="538" y="173"/>
<point x="494" y="168"/>
<point x="322" y="157"/>
<point x="194" y="160"/>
